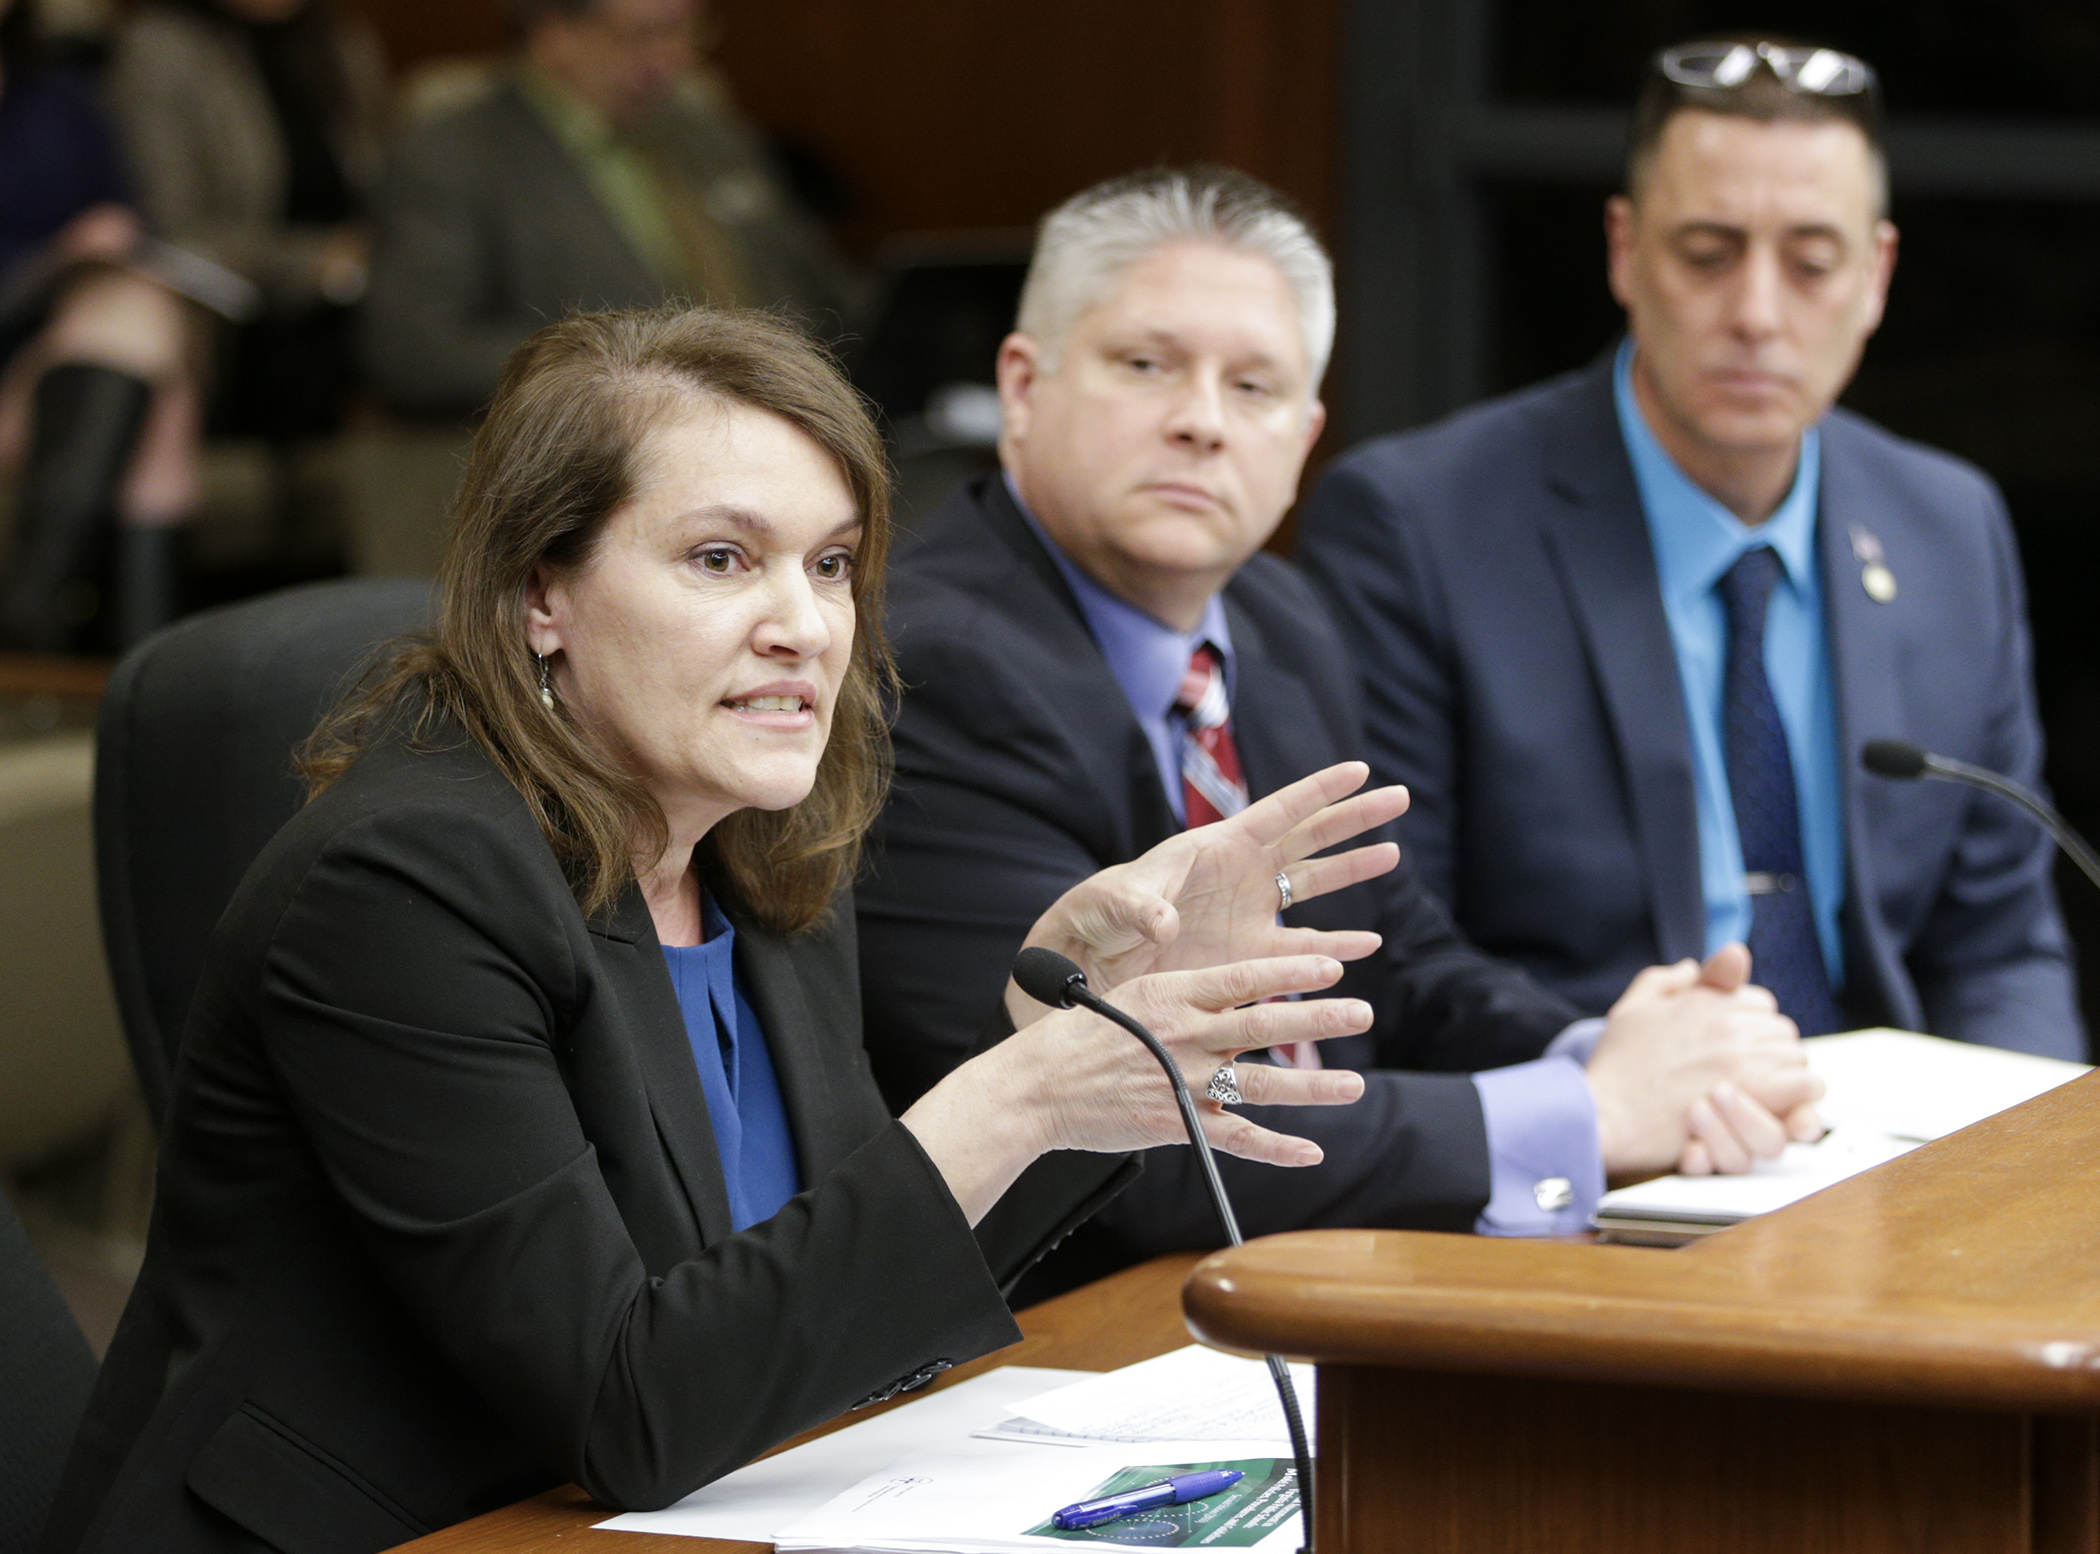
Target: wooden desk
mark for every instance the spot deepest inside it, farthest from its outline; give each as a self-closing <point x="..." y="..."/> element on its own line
<point x="1119" y="1321"/>
<point x="1909" y="1361"/>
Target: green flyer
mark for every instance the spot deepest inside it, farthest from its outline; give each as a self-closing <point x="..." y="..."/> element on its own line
<point x="1235" y="1518"/>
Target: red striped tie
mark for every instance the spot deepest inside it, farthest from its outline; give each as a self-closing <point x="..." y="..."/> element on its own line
<point x="1212" y="784"/>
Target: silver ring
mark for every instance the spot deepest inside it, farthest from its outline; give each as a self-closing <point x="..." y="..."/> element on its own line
<point x="1283" y="889"/>
<point x="1224" y="1087"/>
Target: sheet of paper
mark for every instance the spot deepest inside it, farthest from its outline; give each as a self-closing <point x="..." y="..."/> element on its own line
<point x="1191" y="1394"/>
<point x="754" y="1503"/>
<point x="1035" y="1433"/>
<point x="1922" y="1087"/>
<point x="1770" y="1184"/>
<point x="970" y="1505"/>
<point x="1887" y="1092"/>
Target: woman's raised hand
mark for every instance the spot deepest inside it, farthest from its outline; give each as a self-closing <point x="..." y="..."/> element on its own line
<point x="1209" y="895"/>
<point x="1072" y="1080"/>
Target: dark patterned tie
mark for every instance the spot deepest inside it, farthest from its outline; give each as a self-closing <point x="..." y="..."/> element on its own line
<point x="1786" y="955"/>
<point x="1211" y="785"/>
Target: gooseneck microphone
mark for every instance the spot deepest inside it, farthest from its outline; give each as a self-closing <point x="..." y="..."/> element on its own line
<point x="1049" y="978"/>
<point x="1894" y="759"/>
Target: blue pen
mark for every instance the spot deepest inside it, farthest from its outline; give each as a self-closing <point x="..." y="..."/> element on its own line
<point x="1168" y="1491"/>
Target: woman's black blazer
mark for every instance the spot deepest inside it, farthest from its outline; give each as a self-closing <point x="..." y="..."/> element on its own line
<point x="440" y="1218"/>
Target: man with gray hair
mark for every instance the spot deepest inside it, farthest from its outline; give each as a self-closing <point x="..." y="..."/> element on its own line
<point x="1097" y="654"/>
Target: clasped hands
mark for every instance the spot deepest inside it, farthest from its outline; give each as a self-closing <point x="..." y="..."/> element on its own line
<point x="1696" y="1069"/>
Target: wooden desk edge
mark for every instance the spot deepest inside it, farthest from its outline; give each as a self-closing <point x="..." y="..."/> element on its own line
<point x="1595" y="1338"/>
<point x="1957" y="1274"/>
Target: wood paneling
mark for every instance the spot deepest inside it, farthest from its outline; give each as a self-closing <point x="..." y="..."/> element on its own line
<point x="956" y="115"/>
<point x="38" y="674"/>
<point x="947" y="114"/>
<point x="1426" y="1463"/>
<point x="416" y="30"/>
<point x="2066" y="1485"/>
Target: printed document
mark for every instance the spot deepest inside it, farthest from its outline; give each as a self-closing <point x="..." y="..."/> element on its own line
<point x="969" y="1505"/>
<point x="754" y="1503"/>
<point x="1888" y="1092"/>
<point x="1191" y="1394"/>
<point x="1924" y="1087"/>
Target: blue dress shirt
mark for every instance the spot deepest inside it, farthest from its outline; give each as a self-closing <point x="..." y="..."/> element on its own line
<point x="1696" y="540"/>
<point x="736" y="1074"/>
<point x="1540" y="1117"/>
<point x="1147" y="657"/>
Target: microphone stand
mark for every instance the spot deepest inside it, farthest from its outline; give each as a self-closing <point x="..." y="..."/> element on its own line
<point x="1894" y="759"/>
<point x="1042" y="972"/>
<point x="1947" y="769"/>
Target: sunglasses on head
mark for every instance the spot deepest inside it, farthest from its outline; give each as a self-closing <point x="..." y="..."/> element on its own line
<point x="1818" y="72"/>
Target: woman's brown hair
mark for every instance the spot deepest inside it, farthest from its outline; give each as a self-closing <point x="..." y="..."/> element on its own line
<point x="555" y="459"/>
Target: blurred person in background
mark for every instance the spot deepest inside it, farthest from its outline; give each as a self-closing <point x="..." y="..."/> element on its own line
<point x="604" y="168"/>
<point x="1624" y="634"/>
<point x="254" y="130"/>
<point x="98" y="410"/>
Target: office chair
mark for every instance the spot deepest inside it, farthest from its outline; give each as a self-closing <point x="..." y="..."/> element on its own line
<point x="193" y="774"/>
<point x="46" y="1373"/>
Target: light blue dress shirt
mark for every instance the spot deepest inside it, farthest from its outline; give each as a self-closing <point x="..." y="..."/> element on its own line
<point x="1540" y="1117"/>
<point x="1696" y="540"/>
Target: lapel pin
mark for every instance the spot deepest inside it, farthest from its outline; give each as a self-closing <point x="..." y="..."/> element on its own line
<point x="1874" y="574"/>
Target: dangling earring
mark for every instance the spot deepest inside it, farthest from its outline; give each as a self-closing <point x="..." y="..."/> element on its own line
<point x="546" y="690"/>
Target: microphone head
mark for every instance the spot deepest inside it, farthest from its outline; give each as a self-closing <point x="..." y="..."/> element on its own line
<point x="1047" y="977"/>
<point x="1892" y="758"/>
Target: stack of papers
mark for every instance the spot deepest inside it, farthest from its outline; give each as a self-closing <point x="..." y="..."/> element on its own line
<point x="1192" y="1394"/>
<point x="1671" y="1210"/>
<point x="934" y="1506"/>
<point x="1923" y="1088"/>
<point x="1888" y="1092"/>
<point x="979" y="1467"/>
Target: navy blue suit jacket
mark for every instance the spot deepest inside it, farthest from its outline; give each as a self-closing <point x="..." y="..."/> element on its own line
<point x="1494" y="577"/>
<point x="1021" y="770"/>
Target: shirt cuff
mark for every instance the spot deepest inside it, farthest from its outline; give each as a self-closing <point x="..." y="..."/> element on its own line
<point x="1546" y="1170"/>
<point x="1578" y="1041"/>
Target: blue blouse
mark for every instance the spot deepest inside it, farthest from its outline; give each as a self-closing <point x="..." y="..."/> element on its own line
<point x="736" y="1074"/>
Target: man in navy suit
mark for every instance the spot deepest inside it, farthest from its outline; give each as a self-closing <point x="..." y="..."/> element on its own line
<point x="1623" y="635"/>
<point x="1096" y="654"/>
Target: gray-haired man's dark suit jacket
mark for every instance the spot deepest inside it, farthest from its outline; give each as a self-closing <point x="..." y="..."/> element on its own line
<point x="1021" y="770"/>
<point x="1494" y="577"/>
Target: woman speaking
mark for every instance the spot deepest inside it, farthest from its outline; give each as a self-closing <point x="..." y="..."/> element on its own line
<point x="522" y="1129"/>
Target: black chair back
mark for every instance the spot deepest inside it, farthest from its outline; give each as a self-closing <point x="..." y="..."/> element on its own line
<point x="46" y="1373"/>
<point x="193" y="774"/>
